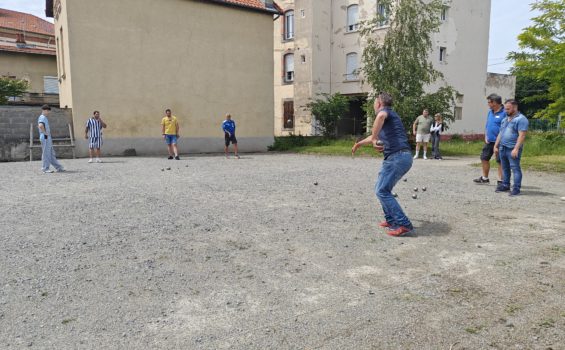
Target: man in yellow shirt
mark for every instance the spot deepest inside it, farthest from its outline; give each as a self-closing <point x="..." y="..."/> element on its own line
<point x="170" y="129"/>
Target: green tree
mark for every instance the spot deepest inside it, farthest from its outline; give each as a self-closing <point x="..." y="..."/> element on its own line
<point x="11" y="88"/>
<point x="531" y="94"/>
<point x="542" y="56"/>
<point x="328" y="110"/>
<point x="399" y="63"/>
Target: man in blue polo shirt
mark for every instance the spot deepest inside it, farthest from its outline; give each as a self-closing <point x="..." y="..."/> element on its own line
<point x="228" y="126"/>
<point x="495" y="116"/>
<point x="509" y="145"/>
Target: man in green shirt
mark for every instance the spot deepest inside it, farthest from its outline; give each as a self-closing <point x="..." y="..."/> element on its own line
<point x="421" y="128"/>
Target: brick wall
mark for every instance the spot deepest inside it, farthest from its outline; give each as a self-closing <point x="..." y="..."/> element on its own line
<point x="14" y="130"/>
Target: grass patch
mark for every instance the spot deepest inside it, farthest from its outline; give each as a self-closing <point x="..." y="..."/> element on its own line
<point x="474" y="329"/>
<point x="542" y="151"/>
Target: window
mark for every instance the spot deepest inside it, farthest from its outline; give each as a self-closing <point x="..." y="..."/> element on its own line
<point x="459" y="98"/>
<point x="289" y="68"/>
<point x="50" y="85"/>
<point x="458" y="113"/>
<point x="289" y="25"/>
<point x="443" y="15"/>
<point x="302" y="14"/>
<point x="352" y="18"/>
<point x="288" y="115"/>
<point x="442" y="54"/>
<point x="351" y="66"/>
<point x="383" y="15"/>
<point x="303" y="58"/>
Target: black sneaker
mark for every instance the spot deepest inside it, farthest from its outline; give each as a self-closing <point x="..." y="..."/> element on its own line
<point x="498" y="182"/>
<point x="502" y="188"/>
<point x="177" y="158"/>
<point x="171" y="157"/>
<point x="480" y="180"/>
<point x="515" y="192"/>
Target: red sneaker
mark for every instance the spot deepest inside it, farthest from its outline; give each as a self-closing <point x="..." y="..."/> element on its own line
<point x="384" y="224"/>
<point x="401" y="231"/>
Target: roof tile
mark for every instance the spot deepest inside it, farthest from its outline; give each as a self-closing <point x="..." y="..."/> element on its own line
<point x="25" y="22"/>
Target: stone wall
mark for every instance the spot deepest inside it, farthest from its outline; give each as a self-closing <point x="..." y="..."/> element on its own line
<point x="14" y="131"/>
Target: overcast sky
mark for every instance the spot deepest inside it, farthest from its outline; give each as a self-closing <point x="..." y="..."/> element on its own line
<point x="508" y="18"/>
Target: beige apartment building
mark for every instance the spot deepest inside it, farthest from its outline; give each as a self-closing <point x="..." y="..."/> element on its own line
<point x="132" y="59"/>
<point x="27" y="52"/>
<point x="318" y="49"/>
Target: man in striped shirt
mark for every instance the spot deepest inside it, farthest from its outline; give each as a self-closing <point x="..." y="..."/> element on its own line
<point x="93" y="134"/>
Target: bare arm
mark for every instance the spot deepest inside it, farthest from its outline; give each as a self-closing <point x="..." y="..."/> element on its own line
<point x="42" y="128"/>
<point x="496" y="144"/>
<point x="519" y="143"/>
<point x="103" y="124"/>
<point x="178" y="128"/>
<point x="373" y="138"/>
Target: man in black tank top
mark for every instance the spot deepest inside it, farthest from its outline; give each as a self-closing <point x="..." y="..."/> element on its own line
<point x="389" y="137"/>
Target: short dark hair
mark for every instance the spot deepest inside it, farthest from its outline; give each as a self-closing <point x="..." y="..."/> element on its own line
<point x="511" y="101"/>
<point x="167" y="110"/>
<point x="45" y="108"/>
<point x="494" y="98"/>
<point x="95" y="112"/>
<point x="385" y="98"/>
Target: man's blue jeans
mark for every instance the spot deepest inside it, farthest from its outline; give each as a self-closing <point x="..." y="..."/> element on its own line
<point x="510" y="164"/>
<point x="392" y="170"/>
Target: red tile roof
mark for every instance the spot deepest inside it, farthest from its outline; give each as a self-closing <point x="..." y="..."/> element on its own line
<point x="27" y="50"/>
<point x="25" y="22"/>
<point x="257" y="4"/>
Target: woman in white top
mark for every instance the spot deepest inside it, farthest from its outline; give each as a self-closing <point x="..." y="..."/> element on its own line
<point x="435" y="131"/>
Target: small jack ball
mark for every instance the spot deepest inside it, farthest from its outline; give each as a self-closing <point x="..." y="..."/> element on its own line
<point x="415" y="189"/>
<point x="405" y="179"/>
<point x="315" y="184"/>
<point x="394" y="194"/>
<point x="415" y="196"/>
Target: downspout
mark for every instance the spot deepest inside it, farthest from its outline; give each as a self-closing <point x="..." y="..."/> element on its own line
<point x="331" y="41"/>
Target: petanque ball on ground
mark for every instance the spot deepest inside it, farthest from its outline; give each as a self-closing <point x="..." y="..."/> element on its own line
<point x="394" y="194"/>
<point x="168" y="168"/>
<point x="415" y="189"/>
<point x="415" y="196"/>
<point x="405" y="179"/>
<point x="316" y="183"/>
<point x="424" y="189"/>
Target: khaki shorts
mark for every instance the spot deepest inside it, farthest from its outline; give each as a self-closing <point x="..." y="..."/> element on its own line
<point x="423" y="137"/>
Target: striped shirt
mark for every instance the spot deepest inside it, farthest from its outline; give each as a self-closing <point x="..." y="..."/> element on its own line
<point x="94" y="127"/>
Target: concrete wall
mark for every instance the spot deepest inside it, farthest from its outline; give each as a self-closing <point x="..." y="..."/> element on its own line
<point x="502" y="84"/>
<point x="14" y="130"/>
<point x="132" y="59"/>
<point x="30" y="67"/>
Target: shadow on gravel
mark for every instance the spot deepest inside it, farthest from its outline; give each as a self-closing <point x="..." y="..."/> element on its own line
<point x="538" y="193"/>
<point x="429" y="228"/>
<point x="530" y="188"/>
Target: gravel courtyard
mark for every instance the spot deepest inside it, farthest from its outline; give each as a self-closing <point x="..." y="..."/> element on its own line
<point x="276" y="251"/>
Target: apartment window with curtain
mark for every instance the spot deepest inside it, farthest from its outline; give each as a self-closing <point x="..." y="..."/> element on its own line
<point x="383" y="15"/>
<point x="288" y="68"/>
<point x="352" y="18"/>
<point x="351" y="63"/>
<point x="289" y="25"/>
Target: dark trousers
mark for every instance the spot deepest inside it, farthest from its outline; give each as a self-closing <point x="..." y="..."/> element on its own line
<point x="435" y="146"/>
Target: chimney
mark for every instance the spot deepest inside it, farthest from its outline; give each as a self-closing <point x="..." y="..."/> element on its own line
<point x="269" y="4"/>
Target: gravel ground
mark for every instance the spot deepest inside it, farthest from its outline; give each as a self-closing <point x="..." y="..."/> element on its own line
<point x="252" y="254"/>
